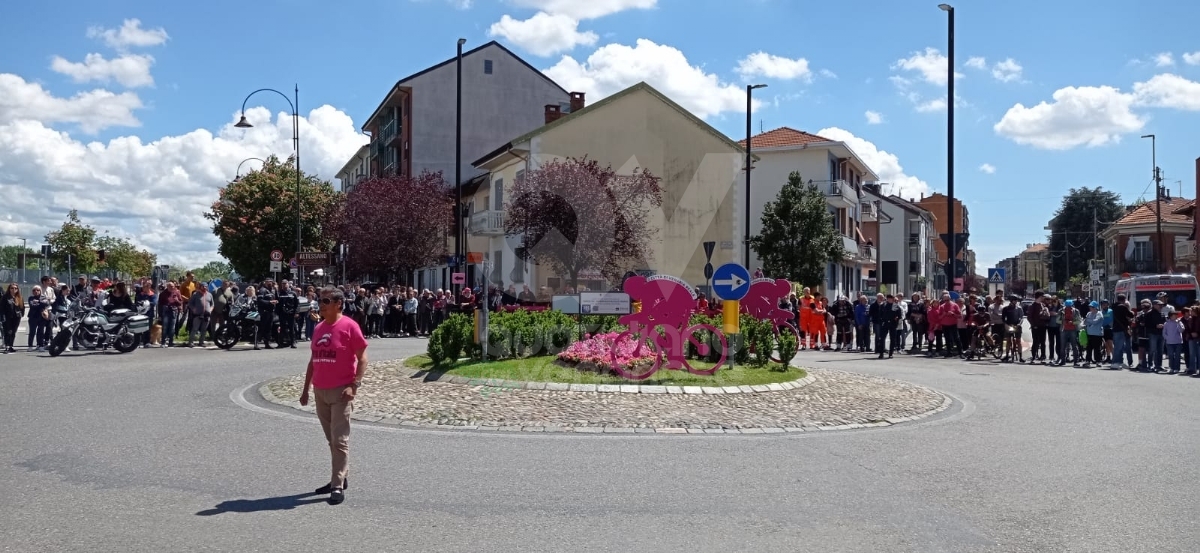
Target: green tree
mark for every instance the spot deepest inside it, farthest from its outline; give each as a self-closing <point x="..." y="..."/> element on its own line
<point x="123" y="257"/>
<point x="1084" y="213"/>
<point x="212" y="270"/>
<point x="76" y="240"/>
<point x="10" y="256"/>
<point x="256" y="213"/>
<point x="798" y="239"/>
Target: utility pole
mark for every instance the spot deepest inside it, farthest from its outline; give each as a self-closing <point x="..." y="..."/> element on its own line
<point x="1158" y="218"/>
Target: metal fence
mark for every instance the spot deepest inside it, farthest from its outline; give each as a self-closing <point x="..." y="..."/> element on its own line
<point x="29" y="277"/>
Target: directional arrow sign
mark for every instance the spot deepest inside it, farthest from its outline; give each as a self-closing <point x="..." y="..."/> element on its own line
<point x="731" y="282"/>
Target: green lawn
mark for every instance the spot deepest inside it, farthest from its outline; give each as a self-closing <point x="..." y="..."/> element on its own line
<point x="544" y="369"/>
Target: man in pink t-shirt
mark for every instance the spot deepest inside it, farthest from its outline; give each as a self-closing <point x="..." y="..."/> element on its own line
<point x="335" y="371"/>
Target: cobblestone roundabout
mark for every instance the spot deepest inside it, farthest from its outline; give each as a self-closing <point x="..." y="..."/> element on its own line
<point x="830" y="400"/>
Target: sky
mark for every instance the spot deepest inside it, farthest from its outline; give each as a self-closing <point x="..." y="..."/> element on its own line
<point x="124" y="110"/>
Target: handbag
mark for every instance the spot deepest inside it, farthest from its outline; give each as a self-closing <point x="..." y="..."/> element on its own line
<point x="1083" y="337"/>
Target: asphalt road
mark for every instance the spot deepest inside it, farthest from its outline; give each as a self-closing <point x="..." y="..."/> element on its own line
<point x="150" y="452"/>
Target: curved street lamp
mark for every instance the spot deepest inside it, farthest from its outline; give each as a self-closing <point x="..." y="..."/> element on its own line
<point x="238" y="174"/>
<point x="244" y="124"/>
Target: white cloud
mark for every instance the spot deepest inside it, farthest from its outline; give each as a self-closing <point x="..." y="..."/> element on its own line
<point x="976" y="62"/>
<point x="775" y="67"/>
<point x="1007" y="71"/>
<point x="884" y="164"/>
<point x="1164" y="59"/>
<point x="1192" y="58"/>
<point x="589" y="9"/>
<point x="930" y="64"/>
<point x="828" y="74"/>
<point x="988" y="168"/>
<point x="1088" y="115"/>
<point x="1168" y="91"/>
<point x="543" y="34"/>
<point x="614" y="67"/>
<point x="130" y="34"/>
<point x="130" y="71"/>
<point x="93" y="110"/>
<point x="874" y="117"/>
<point x="931" y="106"/>
<point x="163" y="185"/>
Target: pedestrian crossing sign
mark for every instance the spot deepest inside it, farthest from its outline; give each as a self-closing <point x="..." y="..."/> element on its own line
<point x="996" y="275"/>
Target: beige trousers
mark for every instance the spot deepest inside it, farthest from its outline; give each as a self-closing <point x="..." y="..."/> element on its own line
<point x="334" y="414"/>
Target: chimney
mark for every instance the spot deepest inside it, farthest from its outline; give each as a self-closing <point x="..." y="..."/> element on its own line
<point x="576" y="101"/>
<point x="553" y="113"/>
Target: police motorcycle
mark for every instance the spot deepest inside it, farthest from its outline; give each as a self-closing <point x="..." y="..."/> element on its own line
<point x="242" y="324"/>
<point x="93" y="327"/>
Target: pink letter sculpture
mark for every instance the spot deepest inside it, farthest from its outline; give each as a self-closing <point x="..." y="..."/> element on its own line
<point x="762" y="303"/>
<point x="662" y="325"/>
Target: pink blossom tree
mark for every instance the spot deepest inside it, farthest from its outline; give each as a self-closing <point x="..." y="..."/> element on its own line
<point x="574" y="215"/>
<point x="395" y="224"/>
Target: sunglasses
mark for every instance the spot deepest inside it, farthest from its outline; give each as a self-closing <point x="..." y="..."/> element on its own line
<point x="327" y="301"/>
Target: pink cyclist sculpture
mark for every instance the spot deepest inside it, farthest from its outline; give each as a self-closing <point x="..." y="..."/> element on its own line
<point x="662" y="325"/>
<point x="762" y="303"/>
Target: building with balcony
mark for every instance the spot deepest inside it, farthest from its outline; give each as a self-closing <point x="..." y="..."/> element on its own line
<point x="1131" y="244"/>
<point x="936" y="203"/>
<point x="834" y="168"/>
<point x="638" y="127"/>
<point x="413" y="129"/>
<point x="903" y="233"/>
<point x="355" y="170"/>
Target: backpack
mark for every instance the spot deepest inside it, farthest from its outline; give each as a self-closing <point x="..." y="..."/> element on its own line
<point x="1068" y="318"/>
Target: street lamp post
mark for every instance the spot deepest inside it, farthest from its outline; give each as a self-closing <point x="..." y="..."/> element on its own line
<point x="238" y="174"/>
<point x="1158" y="235"/>
<point x="294" y="103"/>
<point x="749" y="160"/>
<point x="24" y="258"/>
<point x="459" y="230"/>
<point x="951" y="246"/>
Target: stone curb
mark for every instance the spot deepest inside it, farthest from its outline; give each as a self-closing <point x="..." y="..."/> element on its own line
<point x="265" y="391"/>
<point x="443" y="378"/>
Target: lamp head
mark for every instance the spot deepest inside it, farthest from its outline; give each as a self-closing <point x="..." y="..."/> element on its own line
<point x="755" y="86"/>
<point x="1147" y="136"/>
<point x="462" y="41"/>
<point x="243" y="123"/>
<point x="946" y="7"/>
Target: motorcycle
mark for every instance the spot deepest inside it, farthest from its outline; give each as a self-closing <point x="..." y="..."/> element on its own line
<point x="241" y="325"/>
<point x="92" y="328"/>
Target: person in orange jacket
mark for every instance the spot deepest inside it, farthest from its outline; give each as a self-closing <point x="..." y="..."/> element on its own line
<point x="806" y="309"/>
<point x="819" y="323"/>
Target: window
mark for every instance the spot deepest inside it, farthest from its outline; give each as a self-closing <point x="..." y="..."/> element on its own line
<point x="498" y="195"/>
<point x="497" y="276"/>
<point x="520" y="174"/>
<point x="487" y="67"/>
<point x="1142" y="250"/>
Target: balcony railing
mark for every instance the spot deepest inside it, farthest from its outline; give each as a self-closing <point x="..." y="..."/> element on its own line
<point x="914" y="240"/>
<point x="488" y="223"/>
<point x="838" y="193"/>
<point x="866" y="252"/>
<point x="1185" y="251"/>
<point x="1139" y="266"/>
<point x="869" y="211"/>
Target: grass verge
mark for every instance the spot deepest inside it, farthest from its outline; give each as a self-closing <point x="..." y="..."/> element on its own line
<point x="546" y="369"/>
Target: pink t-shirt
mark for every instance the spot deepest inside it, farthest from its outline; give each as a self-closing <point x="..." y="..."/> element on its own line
<point x="335" y="350"/>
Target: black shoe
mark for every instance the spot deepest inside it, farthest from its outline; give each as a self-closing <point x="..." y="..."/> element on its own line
<point x="327" y="488"/>
<point x="336" y="497"/>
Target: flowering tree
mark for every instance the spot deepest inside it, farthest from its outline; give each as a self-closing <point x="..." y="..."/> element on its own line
<point x="395" y="224"/>
<point x="256" y="213"/>
<point x="573" y="215"/>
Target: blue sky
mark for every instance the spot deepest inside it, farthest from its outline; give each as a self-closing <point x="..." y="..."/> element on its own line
<point x="347" y="57"/>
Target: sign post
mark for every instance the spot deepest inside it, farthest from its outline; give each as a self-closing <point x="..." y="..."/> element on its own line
<point x="731" y="283"/>
<point x="483" y="315"/>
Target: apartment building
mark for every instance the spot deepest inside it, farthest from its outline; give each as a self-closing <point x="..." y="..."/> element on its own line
<point x="936" y="203"/>
<point x="904" y="236"/>
<point x="834" y="168"/>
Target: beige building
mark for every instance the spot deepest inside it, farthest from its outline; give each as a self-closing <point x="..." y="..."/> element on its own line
<point x="638" y="127"/>
<point x="1033" y="266"/>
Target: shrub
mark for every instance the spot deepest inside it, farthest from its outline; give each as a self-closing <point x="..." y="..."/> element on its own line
<point x="450" y="338"/>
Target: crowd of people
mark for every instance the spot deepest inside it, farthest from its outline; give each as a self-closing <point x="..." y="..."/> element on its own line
<point x="1078" y="331"/>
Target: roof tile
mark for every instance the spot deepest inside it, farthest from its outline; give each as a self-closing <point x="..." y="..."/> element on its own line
<point x="784" y="137"/>
<point x="1145" y="213"/>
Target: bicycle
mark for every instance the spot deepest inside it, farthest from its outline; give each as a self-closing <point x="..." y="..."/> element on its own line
<point x="660" y="340"/>
<point x="1012" y="341"/>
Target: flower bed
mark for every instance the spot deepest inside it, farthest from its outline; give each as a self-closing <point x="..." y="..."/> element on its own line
<point x="595" y="353"/>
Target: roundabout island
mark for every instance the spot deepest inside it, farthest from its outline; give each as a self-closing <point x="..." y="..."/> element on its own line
<point x="407" y="393"/>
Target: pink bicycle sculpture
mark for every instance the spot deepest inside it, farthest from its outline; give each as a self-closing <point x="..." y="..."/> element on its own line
<point x="662" y="326"/>
<point x="762" y="303"/>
